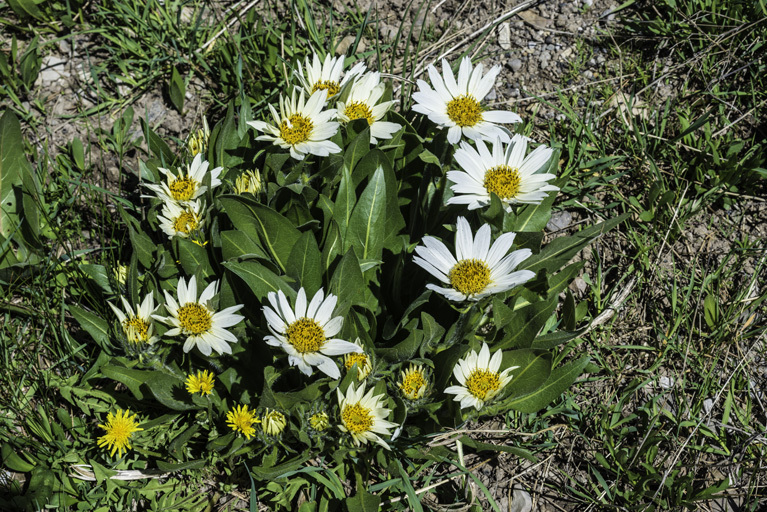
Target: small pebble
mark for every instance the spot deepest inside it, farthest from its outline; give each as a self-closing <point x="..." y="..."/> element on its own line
<point x="515" y="65"/>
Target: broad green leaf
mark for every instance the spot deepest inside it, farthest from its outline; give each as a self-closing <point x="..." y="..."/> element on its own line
<point x="180" y="466"/>
<point x="345" y="200"/>
<point x="236" y="244"/>
<point x="12" y="161"/>
<point x="26" y="9"/>
<point x="260" y="279"/>
<point x="534" y="369"/>
<point x="158" y="146"/>
<point x="13" y="461"/>
<point x="559" y="381"/>
<point x="532" y="217"/>
<point x="94" y="325"/>
<point x="526" y="324"/>
<point x="176" y="90"/>
<point x="167" y="389"/>
<point x="357" y="148"/>
<point x="404" y="350"/>
<point x="554" y="339"/>
<point x="192" y="257"/>
<point x="363" y="501"/>
<point x="277" y="234"/>
<point x="98" y="273"/>
<point x="304" y="264"/>
<point x="485" y="447"/>
<point x="347" y="282"/>
<point x="367" y="223"/>
<point x="561" y="250"/>
<point x="710" y="310"/>
<point x="142" y="246"/>
<point x="133" y="379"/>
<point x="332" y="246"/>
<point x="274" y="472"/>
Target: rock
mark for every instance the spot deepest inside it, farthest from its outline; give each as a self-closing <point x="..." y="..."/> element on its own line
<point x="504" y="36"/>
<point x="588" y="3"/>
<point x="666" y="382"/>
<point x="559" y="220"/>
<point x="521" y="501"/>
<point x="588" y="74"/>
<point x="515" y="65"/>
<point x="52" y="69"/>
<point x="345" y="44"/>
<point x="492" y="95"/>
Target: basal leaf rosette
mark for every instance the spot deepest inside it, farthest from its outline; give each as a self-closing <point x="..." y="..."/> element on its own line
<point x="477" y="270"/>
<point x="307" y="332"/>
<point x="301" y="126"/>
<point x="456" y="105"/>
<point x="506" y="172"/>
<point x="196" y="319"/>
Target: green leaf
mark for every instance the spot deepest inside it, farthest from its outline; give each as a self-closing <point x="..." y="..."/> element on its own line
<point x="94" y="325"/>
<point x="274" y="472"/>
<point x="12" y="161"/>
<point x="526" y="323"/>
<point x="412" y="497"/>
<point x="347" y="282"/>
<point x="180" y="466"/>
<point x="559" y="381"/>
<point x="128" y="376"/>
<point x="192" y="257"/>
<point x="13" y="461"/>
<point x="177" y="90"/>
<point x="345" y="200"/>
<point x="710" y="310"/>
<point x="304" y="264"/>
<point x="554" y="339"/>
<point x="532" y="217"/>
<point x="158" y="146"/>
<point x="562" y="249"/>
<point x="534" y="369"/>
<point x="367" y="223"/>
<point x="260" y="279"/>
<point x="485" y="447"/>
<point x="277" y="234"/>
<point x="143" y="247"/>
<point x="363" y="501"/>
<point x="236" y="244"/>
<point x="99" y="275"/>
<point x="26" y="9"/>
<point x="357" y="148"/>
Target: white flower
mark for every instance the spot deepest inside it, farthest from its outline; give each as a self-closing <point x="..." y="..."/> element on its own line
<point x="361" y="104"/>
<point x="198" y="321"/>
<point x="301" y="126"/>
<point x="182" y="219"/>
<point x="326" y="76"/>
<point x="186" y="186"/>
<point x="306" y="333"/>
<point x="479" y="378"/>
<point x="506" y="172"/>
<point x="456" y="105"/>
<point x="363" y="417"/>
<point x="477" y="270"/>
<point x="137" y="326"/>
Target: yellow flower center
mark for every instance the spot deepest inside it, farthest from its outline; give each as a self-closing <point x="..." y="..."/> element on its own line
<point x="183" y="188"/>
<point x="464" y="110"/>
<point x="359" y="110"/>
<point x="186" y="222"/>
<point x="483" y="384"/>
<point x="357" y="419"/>
<point x="413" y="384"/>
<point x="201" y="383"/>
<point x="469" y="276"/>
<point x="194" y="318"/>
<point x="273" y="422"/>
<point x="360" y="359"/>
<point x="306" y="335"/>
<point x="296" y="129"/>
<point x="503" y="181"/>
<point x="137" y="329"/>
<point x="326" y="85"/>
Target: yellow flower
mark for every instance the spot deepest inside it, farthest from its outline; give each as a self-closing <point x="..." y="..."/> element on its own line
<point x="413" y="382"/>
<point x="201" y="383"/>
<point x="119" y="428"/>
<point x="274" y="423"/>
<point x="248" y="183"/>
<point x="319" y="421"/>
<point x="240" y="419"/>
<point x="361" y="359"/>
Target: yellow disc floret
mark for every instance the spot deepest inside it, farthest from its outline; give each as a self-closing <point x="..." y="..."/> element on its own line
<point x="331" y="86"/>
<point x="186" y="222"/>
<point x="469" y="276"/>
<point x="306" y="335"/>
<point x="194" y="318"/>
<point x="183" y="188"/>
<point x="359" y="110"/>
<point x="319" y="421"/>
<point x="240" y="419"/>
<point x="357" y="419"/>
<point x="201" y="383"/>
<point x="136" y="329"/>
<point x="503" y="181"/>
<point x="413" y="383"/>
<point x="361" y="360"/>
<point x="296" y="129"/>
<point x="464" y="110"/>
<point x="483" y="384"/>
